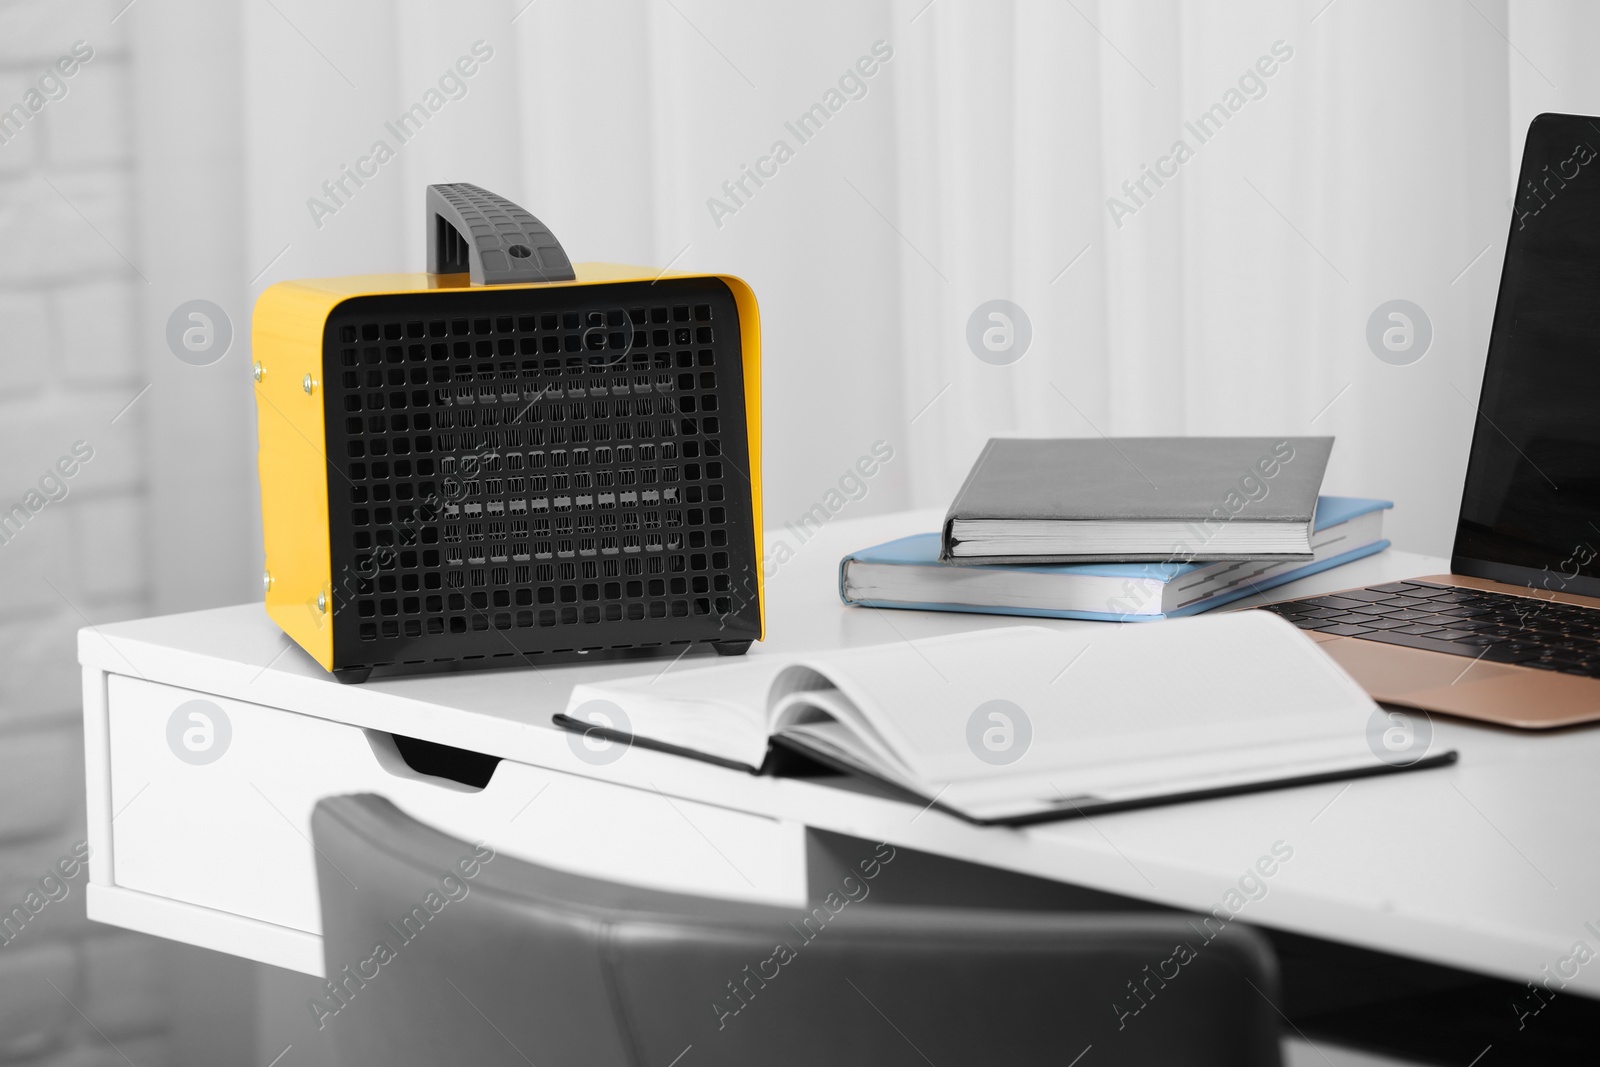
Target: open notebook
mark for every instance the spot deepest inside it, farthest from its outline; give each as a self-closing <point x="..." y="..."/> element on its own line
<point x="1023" y="724"/>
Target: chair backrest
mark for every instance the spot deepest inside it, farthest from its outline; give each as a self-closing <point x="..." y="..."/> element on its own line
<point x="438" y="951"/>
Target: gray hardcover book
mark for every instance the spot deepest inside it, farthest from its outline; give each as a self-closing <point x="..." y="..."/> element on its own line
<point x="1137" y="499"/>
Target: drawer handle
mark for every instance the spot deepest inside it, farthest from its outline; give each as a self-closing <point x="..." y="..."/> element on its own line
<point x="412" y="757"/>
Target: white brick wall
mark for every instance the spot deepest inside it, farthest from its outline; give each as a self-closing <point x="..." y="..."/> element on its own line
<point x="36" y="984"/>
<point x="120" y="994"/>
<point x="38" y="776"/>
<point x="92" y="350"/>
<point x="69" y="362"/>
<point x="26" y="338"/>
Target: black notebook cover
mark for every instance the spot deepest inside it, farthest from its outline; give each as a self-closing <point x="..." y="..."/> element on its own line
<point x="1196" y="480"/>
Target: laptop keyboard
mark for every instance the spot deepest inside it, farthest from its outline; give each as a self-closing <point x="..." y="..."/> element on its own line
<point x="1496" y="627"/>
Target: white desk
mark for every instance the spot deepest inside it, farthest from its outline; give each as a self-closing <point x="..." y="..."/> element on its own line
<point x="1488" y="865"/>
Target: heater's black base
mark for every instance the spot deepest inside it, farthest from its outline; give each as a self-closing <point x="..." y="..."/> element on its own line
<point x="514" y="659"/>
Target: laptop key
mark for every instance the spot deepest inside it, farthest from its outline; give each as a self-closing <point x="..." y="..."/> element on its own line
<point x="1395" y="637"/>
<point x="1366" y="594"/>
<point x="1331" y="602"/>
<point x="1546" y="664"/>
<point x="1507" y="654"/>
<point x="1410" y="615"/>
<point x="1435" y="595"/>
<point x="1340" y="629"/>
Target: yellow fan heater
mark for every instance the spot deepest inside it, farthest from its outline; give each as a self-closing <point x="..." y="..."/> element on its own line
<point x="509" y="459"/>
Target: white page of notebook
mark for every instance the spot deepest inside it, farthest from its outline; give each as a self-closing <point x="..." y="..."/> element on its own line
<point x="1108" y="708"/>
<point x="1205" y="691"/>
<point x="719" y="711"/>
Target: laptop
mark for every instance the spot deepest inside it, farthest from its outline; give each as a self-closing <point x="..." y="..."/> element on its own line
<point x="1512" y="634"/>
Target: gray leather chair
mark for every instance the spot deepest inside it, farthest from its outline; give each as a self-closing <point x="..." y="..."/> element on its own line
<point x="436" y="955"/>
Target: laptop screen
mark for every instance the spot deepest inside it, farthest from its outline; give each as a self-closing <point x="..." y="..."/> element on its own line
<point x="1530" y="511"/>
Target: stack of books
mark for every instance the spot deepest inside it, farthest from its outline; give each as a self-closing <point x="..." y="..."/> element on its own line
<point x="1122" y="529"/>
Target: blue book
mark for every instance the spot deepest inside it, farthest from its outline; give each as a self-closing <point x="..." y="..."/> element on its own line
<point x="907" y="574"/>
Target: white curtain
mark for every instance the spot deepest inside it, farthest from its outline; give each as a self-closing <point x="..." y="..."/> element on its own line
<point x="975" y="163"/>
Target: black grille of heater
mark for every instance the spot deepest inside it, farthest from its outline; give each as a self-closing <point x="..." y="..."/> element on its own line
<point x="534" y="471"/>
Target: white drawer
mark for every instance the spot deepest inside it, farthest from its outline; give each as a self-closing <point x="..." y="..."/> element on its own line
<point x="233" y="835"/>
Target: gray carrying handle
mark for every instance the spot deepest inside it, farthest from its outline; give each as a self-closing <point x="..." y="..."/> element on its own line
<point x="473" y="230"/>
